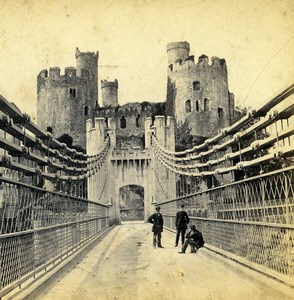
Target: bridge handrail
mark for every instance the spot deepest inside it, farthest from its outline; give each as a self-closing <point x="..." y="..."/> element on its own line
<point x="186" y="169"/>
<point x="245" y="180"/>
<point x="262" y="124"/>
<point x="45" y="191"/>
<point x="17" y="117"/>
<point x="275" y="225"/>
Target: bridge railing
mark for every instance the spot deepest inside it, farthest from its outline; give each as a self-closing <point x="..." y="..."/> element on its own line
<point x="238" y="187"/>
<point x="44" y="211"/>
<point x="267" y="248"/>
<point x="39" y="227"/>
<point x="250" y="221"/>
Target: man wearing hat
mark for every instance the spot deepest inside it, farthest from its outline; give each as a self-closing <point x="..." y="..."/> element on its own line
<point x="194" y="238"/>
<point x="157" y="228"/>
<point x="182" y="220"/>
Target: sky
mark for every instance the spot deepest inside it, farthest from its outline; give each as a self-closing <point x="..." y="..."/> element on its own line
<point x="255" y="37"/>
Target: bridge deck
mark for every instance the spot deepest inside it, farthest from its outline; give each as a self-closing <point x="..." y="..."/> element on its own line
<point x="124" y="265"/>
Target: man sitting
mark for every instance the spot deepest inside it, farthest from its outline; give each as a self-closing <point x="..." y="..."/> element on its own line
<point x="194" y="238"/>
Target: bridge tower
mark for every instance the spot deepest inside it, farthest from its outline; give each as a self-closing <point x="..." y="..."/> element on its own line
<point x="130" y="167"/>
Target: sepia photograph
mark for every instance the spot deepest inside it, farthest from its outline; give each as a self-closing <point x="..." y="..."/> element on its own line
<point x="147" y="149"/>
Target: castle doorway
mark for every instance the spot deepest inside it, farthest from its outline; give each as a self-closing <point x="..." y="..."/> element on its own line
<point x="131" y="202"/>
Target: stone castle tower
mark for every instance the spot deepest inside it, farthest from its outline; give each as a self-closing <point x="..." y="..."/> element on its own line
<point x="198" y="92"/>
<point x="109" y="91"/>
<point x="66" y="101"/>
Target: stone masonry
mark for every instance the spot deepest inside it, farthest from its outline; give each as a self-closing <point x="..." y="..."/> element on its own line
<point x="198" y="92"/>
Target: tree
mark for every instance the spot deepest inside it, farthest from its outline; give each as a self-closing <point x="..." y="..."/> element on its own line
<point x="66" y="139"/>
<point x="184" y="139"/>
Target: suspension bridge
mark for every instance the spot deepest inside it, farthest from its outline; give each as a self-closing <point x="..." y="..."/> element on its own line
<point x="237" y="188"/>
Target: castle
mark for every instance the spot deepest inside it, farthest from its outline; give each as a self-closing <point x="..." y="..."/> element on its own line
<point x="196" y="92"/>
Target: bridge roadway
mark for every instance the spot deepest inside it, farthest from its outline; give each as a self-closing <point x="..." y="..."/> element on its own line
<point x="125" y="266"/>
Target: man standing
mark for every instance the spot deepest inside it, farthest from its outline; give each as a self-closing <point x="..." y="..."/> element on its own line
<point x="195" y="239"/>
<point x="157" y="228"/>
<point x="182" y="220"/>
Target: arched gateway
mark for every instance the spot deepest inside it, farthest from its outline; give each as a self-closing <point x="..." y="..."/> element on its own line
<point x="131" y="167"/>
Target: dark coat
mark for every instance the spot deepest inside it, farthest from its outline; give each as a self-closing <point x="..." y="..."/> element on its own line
<point x="196" y="238"/>
<point x="157" y="221"/>
<point x="182" y="220"/>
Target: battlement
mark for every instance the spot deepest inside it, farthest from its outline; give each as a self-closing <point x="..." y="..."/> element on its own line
<point x="69" y="72"/>
<point x="203" y="61"/>
<point x="163" y="128"/>
<point x="218" y="62"/>
<point x="43" y="74"/>
<point x="78" y="53"/>
<point x="106" y="83"/>
<point x="54" y="72"/>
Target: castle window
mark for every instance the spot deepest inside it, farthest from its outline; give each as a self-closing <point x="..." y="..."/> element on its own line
<point x="123" y="122"/>
<point x="220" y="112"/>
<point x="197" y="105"/>
<point x="206" y="104"/>
<point x="106" y="121"/>
<point x="73" y="93"/>
<point x="171" y="67"/>
<point x="188" y="106"/>
<point x="196" y="86"/>
<point x="86" y="111"/>
<point x="137" y="121"/>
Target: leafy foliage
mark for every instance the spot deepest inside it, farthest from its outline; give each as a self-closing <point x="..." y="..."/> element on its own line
<point x="184" y="139"/>
<point x="66" y="139"/>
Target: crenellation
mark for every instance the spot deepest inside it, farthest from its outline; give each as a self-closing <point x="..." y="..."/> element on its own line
<point x="94" y="55"/>
<point x="106" y="83"/>
<point x="191" y="58"/>
<point x="218" y="62"/>
<point x="43" y="73"/>
<point x="54" y="73"/>
<point x="198" y="92"/>
<point x="169" y="121"/>
<point x="70" y="72"/>
<point x="203" y="59"/>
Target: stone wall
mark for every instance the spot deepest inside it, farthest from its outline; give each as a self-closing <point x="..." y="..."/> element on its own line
<point x="198" y="92"/>
<point x="66" y="101"/>
<point x="129" y="122"/>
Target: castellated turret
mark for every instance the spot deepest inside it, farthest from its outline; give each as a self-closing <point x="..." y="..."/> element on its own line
<point x="66" y="101"/>
<point x="109" y="92"/>
<point x="198" y="91"/>
<point x="89" y="61"/>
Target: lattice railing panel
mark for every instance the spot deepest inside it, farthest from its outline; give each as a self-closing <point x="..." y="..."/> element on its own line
<point x="38" y="226"/>
<point x="16" y="257"/>
<point x="269" y="246"/>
